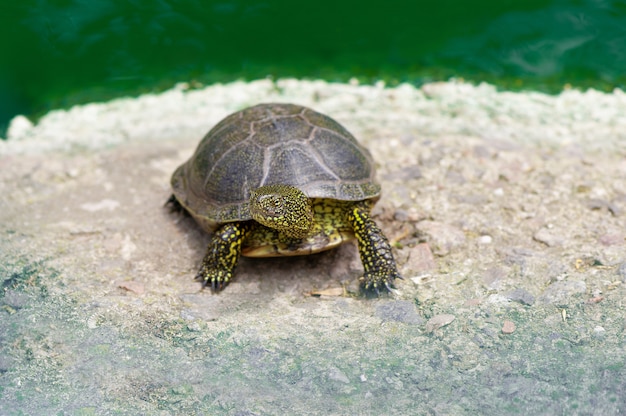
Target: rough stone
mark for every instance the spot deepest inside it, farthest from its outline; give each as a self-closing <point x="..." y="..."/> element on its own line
<point x="559" y="292"/>
<point x="549" y="237"/>
<point x="399" y="311"/>
<point x="420" y="260"/>
<point x="439" y="321"/>
<point x="442" y="237"/>
<point x="522" y="296"/>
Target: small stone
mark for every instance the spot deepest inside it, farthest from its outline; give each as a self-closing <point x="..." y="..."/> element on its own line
<point x="399" y="311"/>
<point x="595" y="204"/>
<point x="493" y="277"/>
<point x="439" y="321"/>
<point x="336" y="374"/>
<point x="560" y="291"/>
<point x="473" y="302"/>
<point x="521" y="296"/>
<point x="595" y="299"/>
<point x="194" y="326"/>
<point x="600" y="204"/>
<point x="497" y="299"/>
<point x="420" y="260"/>
<point x="508" y="327"/>
<point x="15" y="299"/>
<point x="401" y="215"/>
<point x="548" y="237"/>
<point x="485" y="239"/>
<point x="443" y="238"/>
<point x="612" y="239"/>
<point x="6" y="363"/>
<point x="599" y="332"/>
<point x="614" y="209"/>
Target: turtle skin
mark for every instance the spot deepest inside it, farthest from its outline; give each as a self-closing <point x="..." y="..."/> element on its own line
<point x="335" y="222"/>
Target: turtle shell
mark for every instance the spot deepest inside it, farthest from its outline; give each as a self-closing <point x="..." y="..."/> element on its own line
<point x="271" y="144"/>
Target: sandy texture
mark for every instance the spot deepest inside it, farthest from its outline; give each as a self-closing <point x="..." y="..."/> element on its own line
<point x="507" y="212"/>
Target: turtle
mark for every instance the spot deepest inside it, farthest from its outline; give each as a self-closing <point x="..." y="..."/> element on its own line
<point x="281" y="180"/>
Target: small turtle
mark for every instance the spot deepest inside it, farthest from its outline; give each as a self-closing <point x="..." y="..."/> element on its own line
<point x="282" y="180"/>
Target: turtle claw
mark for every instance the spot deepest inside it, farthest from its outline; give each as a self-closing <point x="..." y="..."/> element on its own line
<point x="216" y="279"/>
<point x="375" y="283"/>
<point x="376" y="287"/>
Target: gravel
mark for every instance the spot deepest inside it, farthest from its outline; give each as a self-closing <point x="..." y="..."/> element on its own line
<point x="506" y="212"/>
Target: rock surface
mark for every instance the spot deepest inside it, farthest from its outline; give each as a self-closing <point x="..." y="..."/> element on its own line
<point x="492" y="200"/>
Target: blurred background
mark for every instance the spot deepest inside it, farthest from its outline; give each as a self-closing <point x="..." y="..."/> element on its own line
<point x="57" y="53"/>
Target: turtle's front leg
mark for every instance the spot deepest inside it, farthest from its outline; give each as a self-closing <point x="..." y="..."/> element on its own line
<point x="374" y="249"/>
<point x="222" y="255"/>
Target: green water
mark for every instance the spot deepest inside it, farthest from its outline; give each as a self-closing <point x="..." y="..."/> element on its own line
<point x="57" y="53"/>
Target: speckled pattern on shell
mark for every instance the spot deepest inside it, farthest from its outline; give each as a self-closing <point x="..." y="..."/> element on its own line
<point x="272" y="144"/>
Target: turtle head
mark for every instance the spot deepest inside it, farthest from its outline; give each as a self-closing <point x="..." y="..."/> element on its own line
<point x="284" y="208"/>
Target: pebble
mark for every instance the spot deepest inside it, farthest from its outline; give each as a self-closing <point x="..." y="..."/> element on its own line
<point x="15" y="299"/>
<point x="399" y="311"/>
<point x="401" y="215"/>
<point x="548" y="237"/>
<point x="443" y="238"/>
<point x="521" y="296"/>
<point x="599" y="332"/>
<point x="6" y="362"/>
<point x="560" y="291"/>
<point x="439" y="321"/>
<point x="508" y="327"/>
<point x="599" y="204"/>
<point x="420" y="260"/>
<point x="612" y="239"/>
<point x="485" y="239"/>
<point x="494" y="276"/>
<point x="336" y="374"/>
